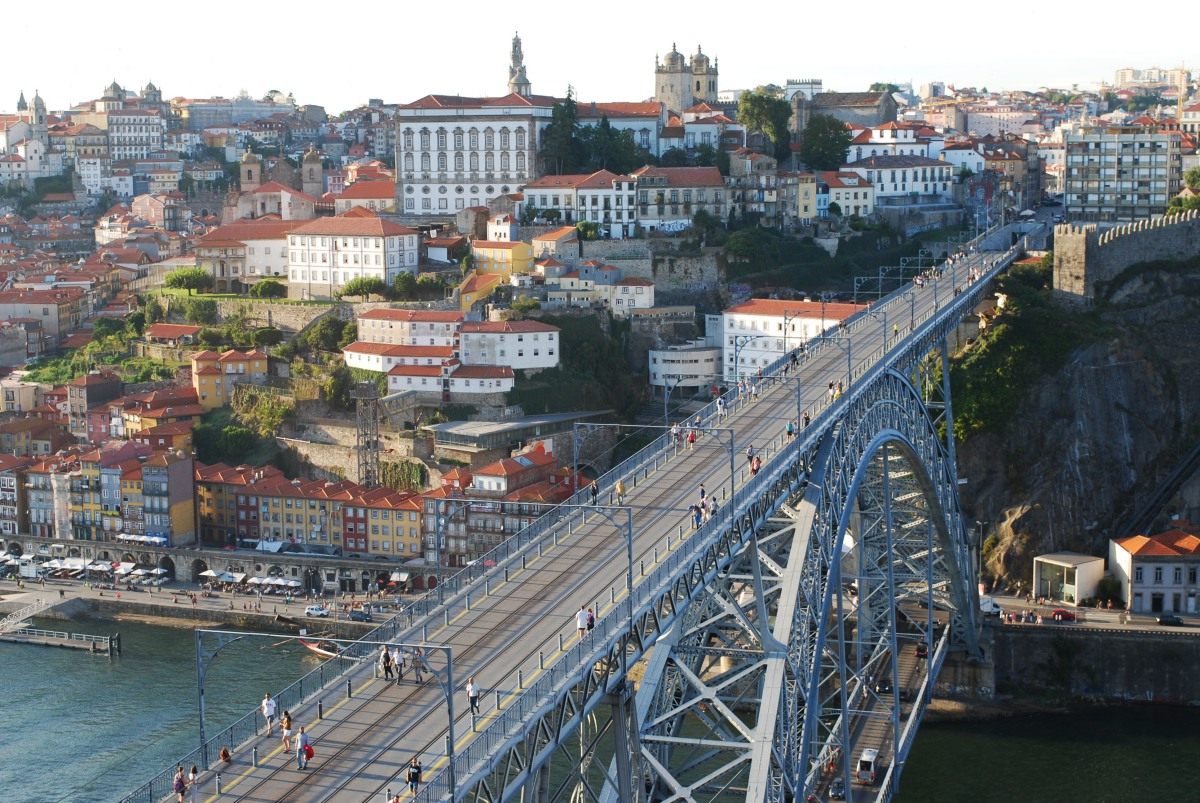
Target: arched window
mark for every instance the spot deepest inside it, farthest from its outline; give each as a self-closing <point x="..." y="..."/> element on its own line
<point x="520" y="161"/>
<point x="474" y="139"/>
<point x="520" y="137"/>
<point x="408" y="138"/>
<point x="441" y="139"/>
<point x="489" y="140"/>
<point x="504" y="138"/>
<point x="441" y="161"/>
<point x="408" y="161"/>
<point x="458" y="140"/>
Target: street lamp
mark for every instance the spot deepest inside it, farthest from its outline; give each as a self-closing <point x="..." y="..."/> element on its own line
<point x="826" y="295"/>
<point x="846" y="345"/>
<point x="876" y="313"/>
<point x="441" y="520"/>
<point x="912" y="310"/>
<point x="738" y="342"/>
<point x="667" y="388"/>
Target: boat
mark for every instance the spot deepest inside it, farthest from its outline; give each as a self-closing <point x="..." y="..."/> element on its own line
<point x="325" y="649"/>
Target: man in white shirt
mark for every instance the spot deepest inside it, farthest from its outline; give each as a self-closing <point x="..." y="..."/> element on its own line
<point x="581" y="622"/>
<point x="473" y="695"/>
<point x="268" y="711"/>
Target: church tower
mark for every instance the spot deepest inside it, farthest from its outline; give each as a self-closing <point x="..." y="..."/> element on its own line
<point x="704" y="79"/>
<point x="37" y="120"/>
<point x="251" y="171"/>
<point x="680" y="85"/>
<point x="312" y="177"/>
<point x="518" y="82"/>
<point x="22" y="106"/>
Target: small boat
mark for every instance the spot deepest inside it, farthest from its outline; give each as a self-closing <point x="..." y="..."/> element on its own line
<point x="325" y="649"/>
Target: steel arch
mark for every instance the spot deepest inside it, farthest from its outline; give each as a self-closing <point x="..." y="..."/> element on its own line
<point x="725" y="705"/>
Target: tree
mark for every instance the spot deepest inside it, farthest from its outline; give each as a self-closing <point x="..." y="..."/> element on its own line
<point x="880" y="86"/>
<point x="561" y="148"/>
<point x="405" y="286"/>
<point x="267" y="336"/>
<point x="588" y="229"/>
<point x="326" y="334"/>
<point x="211" y="338"/>
<point x="106" y="327"/>
<point x="154" y="311"/>
<point x="349" y="335"/>
<point x="706" y="155"/>
<point x="137" y="322"/>
<point x="363" y="287"/>
<point x="466" y="264"/>
<point x="337" y="388"/>
<point x="835" y="209"/>
<point x="606" y="148"/>
<point x="268" y="288"/>
<point x="187" y="185"/>
<point x="768" y="114"/>
<point x="1192" y="178"/>
<point x="189" y="279"/>
<point x="824" y="142"/>
<point x="235" y="443"/>
<point x="673" y="157"/>
<point x="200" y="310"/>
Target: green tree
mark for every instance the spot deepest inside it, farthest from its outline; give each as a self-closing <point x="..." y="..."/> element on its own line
<point x="561" y="148"/>
<point x="200" y="310"/>
<point x="154" y="311"/>
<point x="588" y="229"/>
<point x="107" y="327"/>
<point x="606" y="148"/>
<point x="1192" y="178"/>
<point x="706" y="155"/>
<point x="824" y="142"/>
<point x="349" y="335"/>
<point x="337" y="388"/>
<point x="325" y="334"/>
<point x="363" y="287"/>
<point x="762" y="111"/>
<point x="235" y="443"/>
<point x="835" y="209"/>
<point x="673" y="157"/>
<point x="189" y="279"/>
<point x="405" y="286"/>
<point x="212" y="338"/>
<point x="1179" y="205"/>
<point x="466" y="264"/>
<point x="522" y="306"/>
<point x="268" y="288"/>
<point x="267" y="336"/>
<point x="137" y="322"/>
<point x="187" y="185"/>
<point x="880" y="86"/>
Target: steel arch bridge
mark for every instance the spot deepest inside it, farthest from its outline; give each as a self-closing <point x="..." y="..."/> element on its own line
<point x="764" y="654"/>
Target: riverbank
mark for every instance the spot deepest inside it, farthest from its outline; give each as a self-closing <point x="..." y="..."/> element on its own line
<point x="943" y="710"/>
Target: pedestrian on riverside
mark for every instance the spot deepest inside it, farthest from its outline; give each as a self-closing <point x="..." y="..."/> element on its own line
<point x="385" y="662"/>
<point x="413" y="776"/>
<point x="285" y="731"/>
<point x="473" y="695"/>
<point x="581" y="621"/>
<point x="591" y="621"/>
<point x="192" y="780"/>
<point x="302" y="750"/>
<point x="268" y="712"/>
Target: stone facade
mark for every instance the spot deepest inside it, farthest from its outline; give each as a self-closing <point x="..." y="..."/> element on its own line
<point x="1085" y="256"/>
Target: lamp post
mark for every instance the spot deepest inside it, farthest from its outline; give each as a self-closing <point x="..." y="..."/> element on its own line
<point x="440" y="521"/>
<point x="668" y="387"/>
<point x="846" y="345"/>
<point x="738" y="342"/>
<point x="826" y="296"/>
<point x="876" y="314"/>
<point x="912" y="310"/>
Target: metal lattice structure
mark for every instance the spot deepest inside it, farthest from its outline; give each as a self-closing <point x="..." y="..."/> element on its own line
<point x="366" y="397"/>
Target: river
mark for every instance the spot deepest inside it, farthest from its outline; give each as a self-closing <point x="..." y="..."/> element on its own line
<point x="78" y="727"/>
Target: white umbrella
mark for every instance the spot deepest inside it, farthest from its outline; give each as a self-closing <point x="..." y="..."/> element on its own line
<point x="140" y="572"/>
<point x="294" y="583"/>
<point x="210" y="573"/>
<point x="159" y="570"/>
<point x="255" y="581"/>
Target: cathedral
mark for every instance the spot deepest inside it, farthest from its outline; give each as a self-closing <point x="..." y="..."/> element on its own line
<point x="680" y="85"/>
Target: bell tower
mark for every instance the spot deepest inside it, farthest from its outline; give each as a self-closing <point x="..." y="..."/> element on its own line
<point x="518" y="82"/>
<point x="312" y="177"/>
<point x="251" y="171"/>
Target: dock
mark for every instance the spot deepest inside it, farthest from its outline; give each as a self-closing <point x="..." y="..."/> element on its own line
<point x="98" y="645"/>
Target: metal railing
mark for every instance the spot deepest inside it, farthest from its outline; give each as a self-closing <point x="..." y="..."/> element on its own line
<point x="14" y="619"/>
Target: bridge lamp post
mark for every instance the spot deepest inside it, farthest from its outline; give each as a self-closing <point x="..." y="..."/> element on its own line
<point x="738" y="342"/>
<point x="912" y="310"/>
<point x="826" y="296"/>
<point x="671" y="384"/>
<point x="877" y="314"/>
<point x="846" y="345"/>
<point x="443" y="518"/>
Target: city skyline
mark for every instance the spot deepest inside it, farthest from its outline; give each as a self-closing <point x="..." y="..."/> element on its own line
<point x="617" y="60"/>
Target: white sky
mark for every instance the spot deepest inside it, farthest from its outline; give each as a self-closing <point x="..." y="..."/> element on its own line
<point x="400" y="51"/>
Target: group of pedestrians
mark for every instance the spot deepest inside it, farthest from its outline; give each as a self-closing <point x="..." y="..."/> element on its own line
<point x="184" y="784"/>
<point x="301" y="745"/>
<point x="392" y="663"/>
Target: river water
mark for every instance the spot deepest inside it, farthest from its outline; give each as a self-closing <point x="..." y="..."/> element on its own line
<point x="76" y="727"/>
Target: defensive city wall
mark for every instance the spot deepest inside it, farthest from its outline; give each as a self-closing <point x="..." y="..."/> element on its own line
<point x="1085" y="256"/>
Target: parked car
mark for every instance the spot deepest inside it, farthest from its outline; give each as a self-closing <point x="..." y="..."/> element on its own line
<point x="1062" y="615"/>
<point x="1051" y="202"/>
<point x="837" y="789"/>
<point x="1171" y="620"/>
<point x="360" y="616"/>
<point x="315" y="610"/>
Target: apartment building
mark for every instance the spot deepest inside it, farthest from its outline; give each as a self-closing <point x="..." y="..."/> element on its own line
<point x="1120" y="174"/>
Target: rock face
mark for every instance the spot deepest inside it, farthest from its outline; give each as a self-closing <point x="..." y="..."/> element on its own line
<point x="1094" y="440"/>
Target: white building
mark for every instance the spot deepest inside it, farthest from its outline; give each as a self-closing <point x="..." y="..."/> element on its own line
<point x="758" y="332"/>
<point x="696" y="365"/>
<point x="134" y="133"/>
<point x="668" y="197"/>
<point x="383" y="357"/>
<point x="517" y="344"/>
<point x="602" y="197"/>
<point x="410" y="327"/>
<point x="894" y="139"/>
<point x="1157" y="573"/>
<point x="326" y="253"/>
<point x="897" y="176"/>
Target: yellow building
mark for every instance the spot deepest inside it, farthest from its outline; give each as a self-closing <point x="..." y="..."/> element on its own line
<point x="477" y="287"/>
<point x="503" y="258"/>
<point x="214" y="375"/>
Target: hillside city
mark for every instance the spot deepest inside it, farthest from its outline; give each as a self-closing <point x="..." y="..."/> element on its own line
<point x="253" y="325"/>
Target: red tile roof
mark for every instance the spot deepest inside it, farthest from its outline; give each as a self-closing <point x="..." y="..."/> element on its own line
<point x="412" y="315"/>
<point x="812" y="309"/>
<point x="352" y="226"/>
<point x="506" y="327"/>
<point x="172" y="330"/>
<point x="370" y="190"/>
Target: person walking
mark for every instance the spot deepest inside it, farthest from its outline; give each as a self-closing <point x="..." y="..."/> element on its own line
<point x="192" y="782"/>
<point x="398" y="664"/>
<point x="413" y="776"/>
<point x="179" y="785"/>
<point x="581" y="621"/>
<point x="418" y="663"/>
<point x="703" y="493"/>
<point x="691" y="440"/>
<point x="268" y="712"/>
<point x="302" y="750"/>
<point x="473" y="695"/>
<point x="385" y="662"/>
<point x="750" y="453"/>
<point x="619" y="489"/>
<point x="791" y="430"/>
<point x="594" y="490"/>
<point x="806" y="420"/>
<point x="591" y="621"/>
<point x="285" y="730"/>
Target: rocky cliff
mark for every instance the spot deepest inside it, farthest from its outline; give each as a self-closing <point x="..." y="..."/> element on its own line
<point x="1093" y="438"/>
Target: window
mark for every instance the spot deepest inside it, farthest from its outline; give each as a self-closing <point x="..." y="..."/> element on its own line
<point x="1178" y="578"/>
<point x="1158" y="575"/>
<point x="1137" y="574"/>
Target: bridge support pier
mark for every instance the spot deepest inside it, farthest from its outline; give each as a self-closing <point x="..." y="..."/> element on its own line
<point x="627" y="751"/>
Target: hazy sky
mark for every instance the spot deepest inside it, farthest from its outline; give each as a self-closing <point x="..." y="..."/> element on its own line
<point x="402" y="51"/>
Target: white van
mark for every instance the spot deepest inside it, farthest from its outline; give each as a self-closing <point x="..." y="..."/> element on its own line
<point x="864" y="770"/>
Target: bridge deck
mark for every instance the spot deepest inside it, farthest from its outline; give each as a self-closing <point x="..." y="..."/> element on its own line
<point x="364" y="743"/>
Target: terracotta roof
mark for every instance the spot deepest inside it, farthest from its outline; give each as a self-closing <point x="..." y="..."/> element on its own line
<point x="683" y="176"/>
<point x="353" y="226"/>
<point x="1172" y="543"/>
<point x="260" y="229"/>
<point x="503" y="245"/>
<point x="505" y="327"/>
<point x="275" y="186"/>
<point x="890" y="162"/>
<point x="412" y="315"/>
<point x="372" y="190"/>
<point x="416" y="370"/>
<point x="386" y="349"/>
<point x="172" y="330"/>
<point x="483" y="372"/>
<point x="480" y="282"/>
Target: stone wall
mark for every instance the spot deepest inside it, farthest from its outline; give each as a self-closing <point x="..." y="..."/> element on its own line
<point x="1085" y="256"/>
<point x="658" y="262"/>
<point x="291" y="318"/>
<point x="1095" y="662"/>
